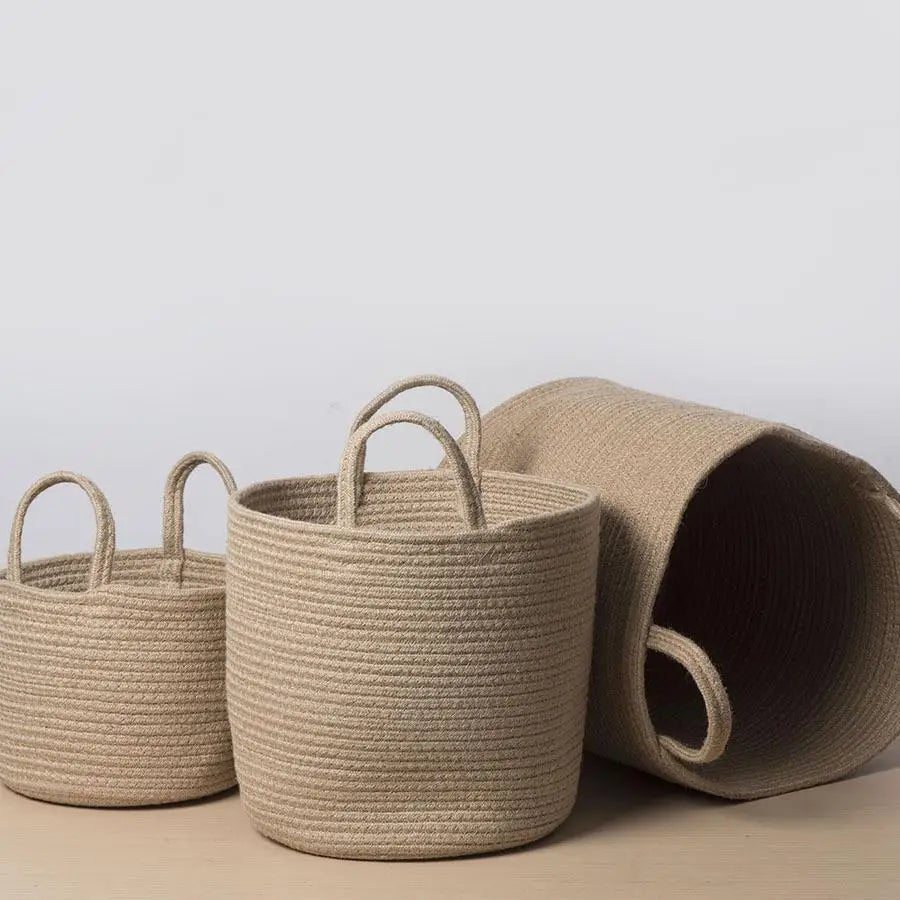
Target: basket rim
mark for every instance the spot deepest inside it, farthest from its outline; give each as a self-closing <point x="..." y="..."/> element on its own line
<point x="119" y="588"/>
<point x="587" y="501"/>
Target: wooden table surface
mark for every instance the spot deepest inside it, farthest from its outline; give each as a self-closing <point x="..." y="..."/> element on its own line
<point x="630" y="837"/>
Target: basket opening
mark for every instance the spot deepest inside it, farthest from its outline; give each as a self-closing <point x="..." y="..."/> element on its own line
<point x="786" y="570"/>
<point x="135" y="568"/>
<point x="412" y="502"/>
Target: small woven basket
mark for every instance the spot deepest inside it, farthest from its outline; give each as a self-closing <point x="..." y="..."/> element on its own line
<point x="112" y="665"/>
<point x="408" y="653"/>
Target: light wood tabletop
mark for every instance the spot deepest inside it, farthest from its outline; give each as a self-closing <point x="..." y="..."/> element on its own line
<point x="630" y="837"/>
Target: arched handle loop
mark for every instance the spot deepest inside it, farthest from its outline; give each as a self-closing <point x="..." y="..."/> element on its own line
<point x="471" y="445"/>
<point x="173" y="506"/>
<point x="105" y="542"/>
<point x="350" y="478"/>
<point x="715" y="698"/>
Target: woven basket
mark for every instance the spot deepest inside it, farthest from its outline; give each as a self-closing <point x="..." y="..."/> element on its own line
<point x="776" y="554"/>
<point x="408" y="664"/>
<point x="112" y="668"/>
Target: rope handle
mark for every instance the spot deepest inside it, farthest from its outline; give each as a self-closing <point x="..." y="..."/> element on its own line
<point x="173" y="506"/>
<point x="104" y="544"/>
<point x="715" y="698"/>
<point x="350" y="476"/>
<point x="472" y="437"/>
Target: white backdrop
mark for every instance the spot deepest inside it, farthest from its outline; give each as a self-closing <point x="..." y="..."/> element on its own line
<point x="226" y="225"/>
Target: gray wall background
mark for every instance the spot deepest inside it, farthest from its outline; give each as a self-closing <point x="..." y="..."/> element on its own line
<point x="227" y="225"/>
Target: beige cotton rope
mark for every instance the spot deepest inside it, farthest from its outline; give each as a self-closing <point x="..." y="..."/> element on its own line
<point x="408" y="654"/>
<point x="686" y="653"/>
<point x="351" y="477"/>
<point x="112" y="664"/>
<point x="757" y="558"/>
<point x="471" y="442"/>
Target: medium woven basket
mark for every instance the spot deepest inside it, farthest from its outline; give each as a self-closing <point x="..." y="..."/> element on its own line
<point x="112" y="665"/>
<point x="408" y="653"/>
<point x="732" y="541"/>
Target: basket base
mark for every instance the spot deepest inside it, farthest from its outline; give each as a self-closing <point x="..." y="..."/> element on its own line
<point x="123" y="800"/>
<point x="399" y="852"/>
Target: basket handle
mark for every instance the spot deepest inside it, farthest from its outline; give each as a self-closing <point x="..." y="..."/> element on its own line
<point x="472" y="438"/>
<point x="104" y="544"/>
<point x="350" y="478"/>
<point x="173" y="507"/>
<point x="715" y="698"/>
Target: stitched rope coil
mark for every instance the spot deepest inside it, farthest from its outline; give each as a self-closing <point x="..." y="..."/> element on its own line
<point x="112" y="690"/>
<point x="408" y="654"/>
<point x="753" y="556"/>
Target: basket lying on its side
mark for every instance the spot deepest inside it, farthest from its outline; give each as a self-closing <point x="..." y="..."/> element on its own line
<point x="775" y="553"/>
<point x="408" y="654"/>
<point x="112" y="665"/>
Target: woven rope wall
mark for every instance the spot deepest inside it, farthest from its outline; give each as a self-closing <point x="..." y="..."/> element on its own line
<point x="408" y="656"/>
<point x="775" y="553"/>
<point x="112" y="688"/>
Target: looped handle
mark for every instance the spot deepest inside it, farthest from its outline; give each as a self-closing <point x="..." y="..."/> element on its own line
<point x="173" y="506"/>
<point x="350" y="478"/>
<point x="472" y="443"/>
<point x="104" y="544"/>
<point x="718" y="707"/>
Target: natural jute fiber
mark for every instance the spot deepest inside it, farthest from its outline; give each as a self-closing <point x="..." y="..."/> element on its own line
<point x="776" y="554"/>
<point x="112" y="665"/>
<point x="408" y="652"/>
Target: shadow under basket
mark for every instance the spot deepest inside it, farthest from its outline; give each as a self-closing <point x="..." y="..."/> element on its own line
<point x="777" y="554"/>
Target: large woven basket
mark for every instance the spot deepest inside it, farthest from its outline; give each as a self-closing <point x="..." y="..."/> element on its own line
<point x="112" y="665"/>
<point x="408" y="654"/>
<point x="732" y="541"/>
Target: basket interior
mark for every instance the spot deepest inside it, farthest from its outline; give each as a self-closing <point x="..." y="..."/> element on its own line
<point x="413" y="502"/>
<point x="787" y="571"/>
<point x="135" y="568"/>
